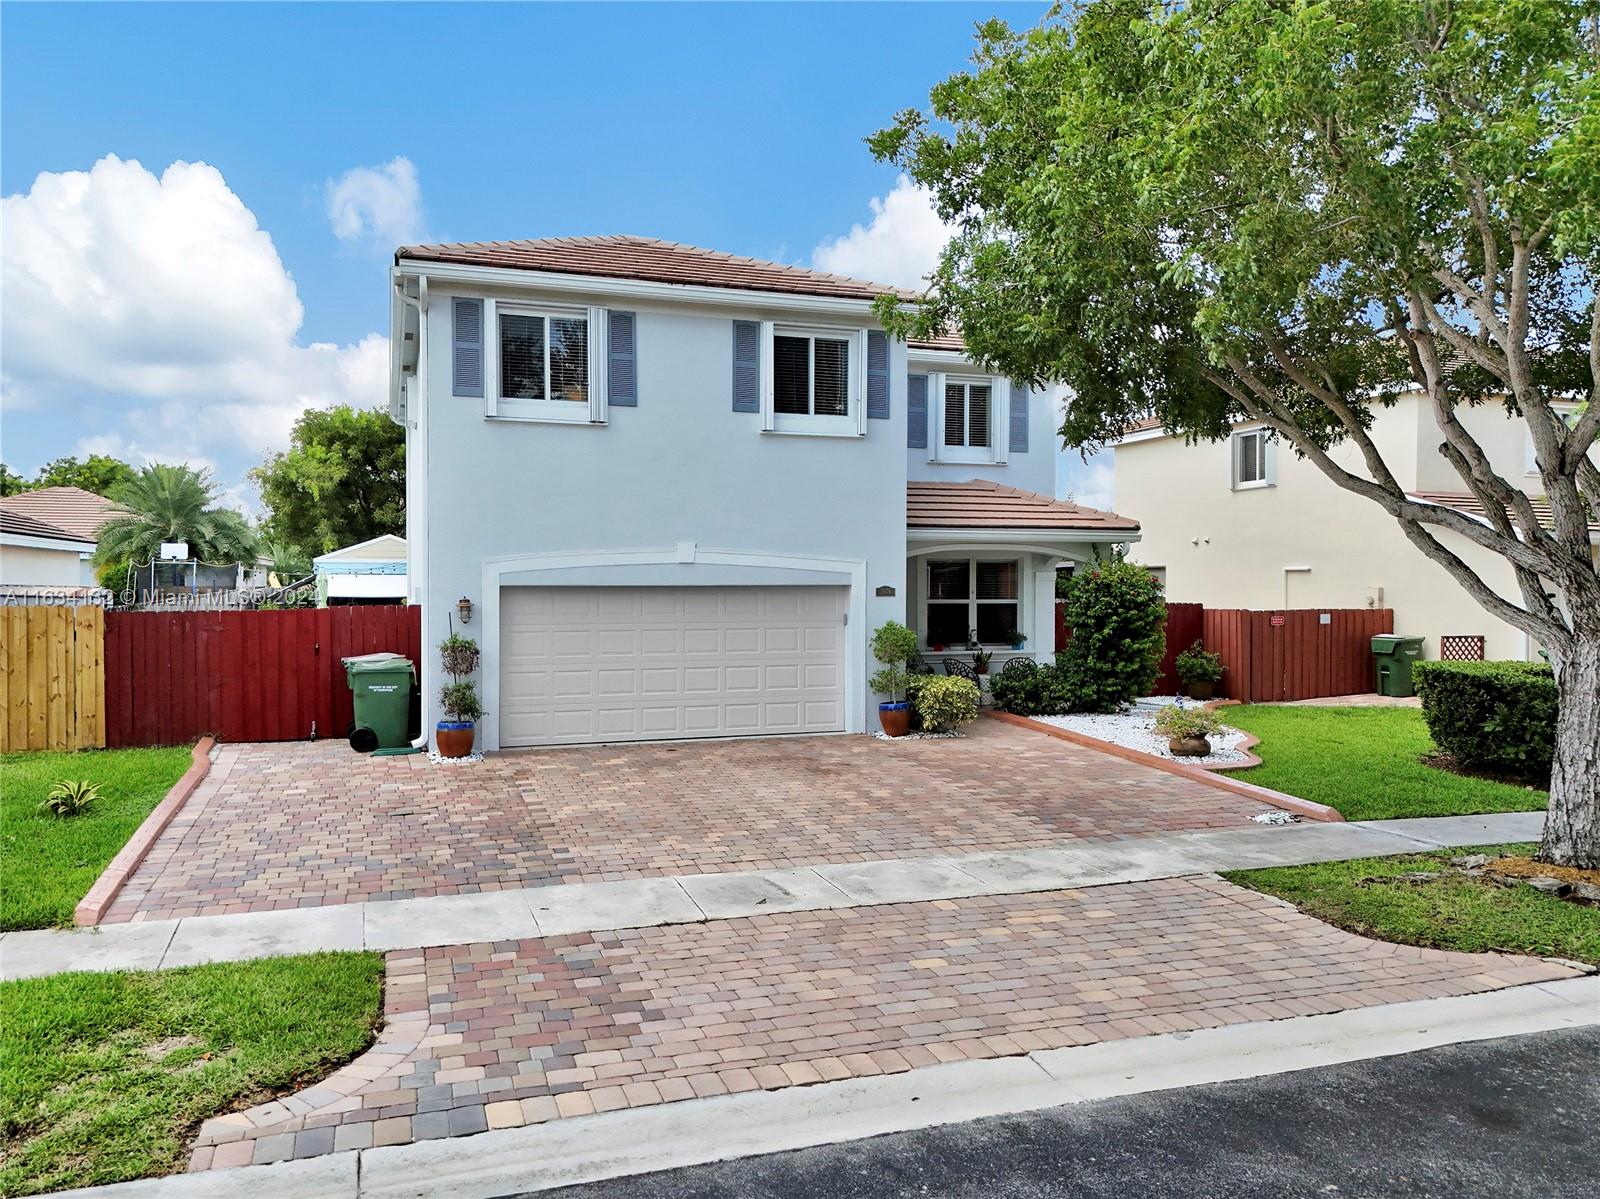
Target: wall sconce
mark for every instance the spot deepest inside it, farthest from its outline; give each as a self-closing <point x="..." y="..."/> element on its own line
<point x="464" y="610"/>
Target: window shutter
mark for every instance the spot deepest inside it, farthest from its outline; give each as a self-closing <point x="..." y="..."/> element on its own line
<point x="1019" y="417"/>
<point x="466" y="368"/>
<point x="624" y="368"/>
<point x="877" y="375"/>
<point x="747" y="366"/>
<point x="917" y="412"/>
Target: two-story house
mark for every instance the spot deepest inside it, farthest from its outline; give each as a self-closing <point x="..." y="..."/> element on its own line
<point x="1244" y="523"/>
<point x="672" y="491"/>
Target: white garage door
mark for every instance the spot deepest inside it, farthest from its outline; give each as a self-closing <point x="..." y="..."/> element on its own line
<point x="649" y="663"/>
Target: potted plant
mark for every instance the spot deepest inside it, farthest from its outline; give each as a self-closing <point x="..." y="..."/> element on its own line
<point x="894" y="645"/>
<point x="1017" y="639"/>
<point x="459" y="697"/>
<point x="1199" y="671"/>
<point x="980" y="660"/>
<point x="1187" y="730"/>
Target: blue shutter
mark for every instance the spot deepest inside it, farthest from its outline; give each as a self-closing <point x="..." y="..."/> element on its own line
<point x="747" y="366"/>
<point x="877" y="375"/>
<point x="1019" y="417"/>
<point x="622" y="369"/>
<point x="917" y="412"/>
<point x="466" y="367"/>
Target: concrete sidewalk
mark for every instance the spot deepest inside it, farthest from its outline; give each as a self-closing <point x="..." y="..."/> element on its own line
<point x="564" y="909"/>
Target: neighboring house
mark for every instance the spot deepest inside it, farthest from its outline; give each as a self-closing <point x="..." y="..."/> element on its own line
<point x="370" y="572"/>
<point x="676" y="490"/>
<point x="1244" y="523"/>
<point x="39" y="557"/>
<point x="70" y="511"/>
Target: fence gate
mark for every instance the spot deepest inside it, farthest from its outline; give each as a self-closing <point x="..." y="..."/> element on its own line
<point x="52" y="693"/>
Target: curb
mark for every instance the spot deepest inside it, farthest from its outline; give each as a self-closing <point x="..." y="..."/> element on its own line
<point x="93" y="906"/>
<point x="1249" y="743"/>
<point x="1277" y="799"/>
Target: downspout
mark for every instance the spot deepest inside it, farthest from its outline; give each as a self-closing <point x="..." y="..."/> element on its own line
<point x="419" y="745"/>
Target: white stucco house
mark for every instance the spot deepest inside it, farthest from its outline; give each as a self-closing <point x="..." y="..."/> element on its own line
<point x="675" y="490"/>
<point x="1244" y="523"/>
<point x="369" y="572"/>
<point x="48" y="537"/>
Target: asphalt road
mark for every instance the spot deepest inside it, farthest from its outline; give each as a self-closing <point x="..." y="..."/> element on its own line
<point x="1504" y="1119"/>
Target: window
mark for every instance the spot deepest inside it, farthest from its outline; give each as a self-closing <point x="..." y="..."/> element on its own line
<point x="544" y="368"/>
<point x="967" y="418"/>
<point x="966" y="414"/>
<point x="810" y="378"/>
<point x="1252" y="459"/>
<point x="973" y="596"/>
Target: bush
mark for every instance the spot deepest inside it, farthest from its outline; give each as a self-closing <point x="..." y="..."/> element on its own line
<point x="1177" y="723"/>
<point x="460" y="702"/>
<point x="459" y="655"/>
<point x="1116" y="612"/>
<point x="945" y="703"/>
<point x="1195" y="665"/>
<point x="894" y="645"/>
<point x="1033" y="690"/>
<point x="1492" y="716"/>
<point x="70" y="797"/>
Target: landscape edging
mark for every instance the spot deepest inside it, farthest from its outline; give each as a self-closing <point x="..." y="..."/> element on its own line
<point x="94" y="905"/>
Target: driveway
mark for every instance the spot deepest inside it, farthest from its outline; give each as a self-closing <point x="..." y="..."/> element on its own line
<point x="294" y="824"/>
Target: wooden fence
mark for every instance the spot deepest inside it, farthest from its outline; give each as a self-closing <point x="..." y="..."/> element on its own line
<point x="52" y="686"/>
<point x="243" y="676"/>
<point x="1303" y="653"/>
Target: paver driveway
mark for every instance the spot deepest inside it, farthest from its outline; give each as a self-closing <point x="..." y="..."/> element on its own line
<point x="299" y="825"/>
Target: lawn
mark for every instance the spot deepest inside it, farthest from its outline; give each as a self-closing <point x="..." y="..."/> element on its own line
<point x="1364" y="762"/>
<point x="1366" y="896"/>
<point x="46" y="863"/>
<point x="106" y="1077"/>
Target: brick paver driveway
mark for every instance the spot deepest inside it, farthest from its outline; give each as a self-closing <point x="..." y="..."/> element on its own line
<point x="498" y="1035"/>
<point x="299" y="825"/>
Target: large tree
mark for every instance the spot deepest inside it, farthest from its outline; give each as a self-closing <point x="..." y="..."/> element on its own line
<point x="169" y="503"/>
<point x="342" y="480"/>
<point x="99" y="473"/>
<point x="1287" y="211"/>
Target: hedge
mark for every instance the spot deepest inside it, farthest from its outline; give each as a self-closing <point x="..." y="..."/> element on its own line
<point x="1495" y="716"/>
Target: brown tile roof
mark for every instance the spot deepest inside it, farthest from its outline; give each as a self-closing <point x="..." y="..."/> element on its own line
<point x="981" y="504"/>
<point x="652" y="260"/>
<point x="944" y="341"/>
<point x="26" y="526"/>
<point x="1464" y="501"/>
<point x="79" y="512"/>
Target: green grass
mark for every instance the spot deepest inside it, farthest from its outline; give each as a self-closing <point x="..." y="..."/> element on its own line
<point x="1452" y="913"/>
<point x="47" y="863"/>
<point x="106" y="1077"/>
<point x="1364" y="762"/>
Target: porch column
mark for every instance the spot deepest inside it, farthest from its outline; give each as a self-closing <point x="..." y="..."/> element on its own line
<point x="1042" y="633"/>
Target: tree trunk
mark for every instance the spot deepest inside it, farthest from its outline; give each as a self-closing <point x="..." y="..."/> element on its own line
<point x="1572" y="828"/>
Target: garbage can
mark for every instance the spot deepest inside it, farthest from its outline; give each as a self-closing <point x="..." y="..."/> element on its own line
<point x="1395" y="655"/>
<point x="381" y="685"/>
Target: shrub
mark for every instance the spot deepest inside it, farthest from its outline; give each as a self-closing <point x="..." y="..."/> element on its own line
<point x="1195" y="665"/>
<point x="458" y="654"/>
<point x="1116" y="612"/>
<point x="1029" y="689"/>
<point x="945" y="703"/>
<point x="1176" y="723"/>
<point x="1494" y="716"/>
<point x="460" y="701"/>
<point x="894" y="645"/>
<point x="70" y="797"/>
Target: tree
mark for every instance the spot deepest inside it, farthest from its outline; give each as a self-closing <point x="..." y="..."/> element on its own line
<point x="98" y="473"/>
<point x="11" y="483"/>
<point x="342" y="480"/>
<point x="1286" y="212"/>
<point x="170" y="503"/>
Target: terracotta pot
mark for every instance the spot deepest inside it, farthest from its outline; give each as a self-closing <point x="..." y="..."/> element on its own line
<point x="977" y="669"/>
<point x="454" y="738"/>
<point x="1189" y="747"/>
<point x="1205" y="690"/>
<point x="895" y="718"/>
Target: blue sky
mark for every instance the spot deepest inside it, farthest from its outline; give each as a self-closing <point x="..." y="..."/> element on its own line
<point x="733" y="126"/>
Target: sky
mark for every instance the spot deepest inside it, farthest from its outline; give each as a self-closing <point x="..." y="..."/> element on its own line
<point x="201" y="201"/>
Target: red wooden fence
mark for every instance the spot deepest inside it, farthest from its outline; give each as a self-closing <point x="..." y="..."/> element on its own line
<point x="1185" y="626"/>
<point x="244" y="676"/>
<point x="1294" y="654"/>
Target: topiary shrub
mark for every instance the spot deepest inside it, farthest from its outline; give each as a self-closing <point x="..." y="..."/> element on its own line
<point x="1117" y="615"/>
<point x="1029" y="689"/>
<point x="1492" y="716"/>
<point x="944" y="703"/>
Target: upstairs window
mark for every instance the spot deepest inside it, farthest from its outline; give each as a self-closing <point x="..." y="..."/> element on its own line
<point x="966" y="414"/>
<point x="543" y="368"/>
<point x="1252" y="459"/>
<point x="810" y="375"/>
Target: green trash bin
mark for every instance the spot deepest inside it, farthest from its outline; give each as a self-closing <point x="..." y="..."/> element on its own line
<point x="1395" y="655"/>
<point x="381" y="686"/>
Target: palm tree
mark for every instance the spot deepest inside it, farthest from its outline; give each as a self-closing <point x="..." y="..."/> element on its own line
<point x="172" y="503"/>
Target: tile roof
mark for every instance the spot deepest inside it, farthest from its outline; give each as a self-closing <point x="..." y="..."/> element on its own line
<point x="22" y="525"/>
<point x="652" y="260"/>
<point x="944" y="341"/>
<point x="980" y="504"/>
<point x="1464" y="501"/>
<point x="79" y="512"/>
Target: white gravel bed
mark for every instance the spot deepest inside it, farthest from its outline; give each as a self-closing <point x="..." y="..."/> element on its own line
<point x="1134" y="728"/>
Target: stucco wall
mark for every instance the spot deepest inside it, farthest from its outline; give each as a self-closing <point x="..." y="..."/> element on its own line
<point x="30" y="566"/>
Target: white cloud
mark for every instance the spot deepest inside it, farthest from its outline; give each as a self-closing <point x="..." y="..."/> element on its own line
<point x="1092" y="484"/>
<point x="380" y="204"/>
<point x="901" y="244"/>
<point x="161" y="301"/>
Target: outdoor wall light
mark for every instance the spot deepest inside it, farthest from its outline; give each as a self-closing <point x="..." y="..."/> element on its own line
<point x="464" y="609"/>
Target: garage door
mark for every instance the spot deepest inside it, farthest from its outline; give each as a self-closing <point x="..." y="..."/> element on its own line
<point x="649" y="663"/>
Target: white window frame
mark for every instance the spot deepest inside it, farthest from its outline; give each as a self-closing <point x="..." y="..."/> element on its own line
<point x="564" y="412"/>
<point x="854" y="421"/>
<point x="972" y="600"/>
<point x="998" y="449"/>
<point x="1268" y="459"/>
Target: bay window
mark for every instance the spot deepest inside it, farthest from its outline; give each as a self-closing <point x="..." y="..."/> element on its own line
<point x="973" y="598"/>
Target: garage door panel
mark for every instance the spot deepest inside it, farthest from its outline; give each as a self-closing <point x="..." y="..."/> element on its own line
<point x="585" y="664"/>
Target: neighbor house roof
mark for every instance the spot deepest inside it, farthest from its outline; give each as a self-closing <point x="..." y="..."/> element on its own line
<point x="18" y="524"/>
<point x="652" y="260"/>
<point x="1464" y="501"/>
<point x="78" y="512"/>
<point x="984" y="505"/>
<point x="386" y="547"/>
<point x="944" y="341"/>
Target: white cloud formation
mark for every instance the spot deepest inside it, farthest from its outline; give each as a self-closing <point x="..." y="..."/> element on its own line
<point x="1092" y="484"/>
<point x="901" y="244"/>
<point x="381" y="204"/>
<point x="161" y="300"/>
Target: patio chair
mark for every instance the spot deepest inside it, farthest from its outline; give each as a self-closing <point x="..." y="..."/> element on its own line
<point x="962" y="669"/>
<point x="1015" y="666"/>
